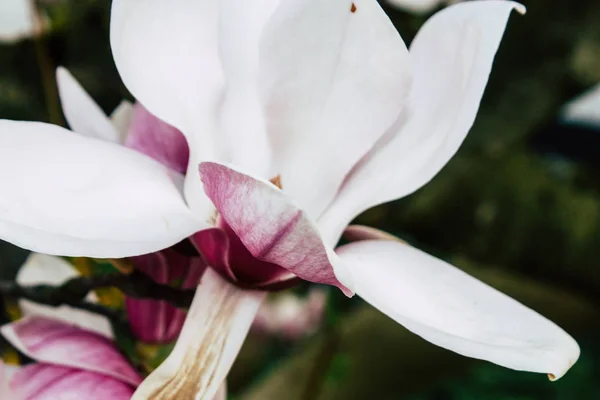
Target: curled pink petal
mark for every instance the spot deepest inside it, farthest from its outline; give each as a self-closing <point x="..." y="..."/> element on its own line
<point x="270" y="227"/>
<point x="46" y="381"/>
<point x="157" y="139"/>
<point x="154" y="321"/>
<point x="54" y="342"/>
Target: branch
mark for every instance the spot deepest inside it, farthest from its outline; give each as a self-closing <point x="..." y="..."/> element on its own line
<point x="74" y="291"/>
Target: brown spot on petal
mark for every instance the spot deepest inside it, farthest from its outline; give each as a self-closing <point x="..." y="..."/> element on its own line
<point x="276" y="181"/>
<point x="353" y="8"/>
<point x="197" y="370"/>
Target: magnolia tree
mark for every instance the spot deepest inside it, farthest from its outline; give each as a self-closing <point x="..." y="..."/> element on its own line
<point x="261" y="129"/>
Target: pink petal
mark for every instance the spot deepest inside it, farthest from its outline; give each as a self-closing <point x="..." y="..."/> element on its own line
<point x="4" y="387"/>
<point x="271" y="228"/>
<point x="157" y="139"/>
<point x="155" y="321"/>
<point x="217" y="323"/>
<point x="54" y="342"/>
<point x="225" y="253"/>
<point x="45" y="381"/>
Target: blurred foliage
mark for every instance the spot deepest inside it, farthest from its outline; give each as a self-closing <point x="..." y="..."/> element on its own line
<point x="499" y="206"/>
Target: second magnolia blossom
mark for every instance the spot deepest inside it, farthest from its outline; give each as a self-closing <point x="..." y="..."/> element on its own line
<point x="298" y="116"/>
<point x="70" y="363"/>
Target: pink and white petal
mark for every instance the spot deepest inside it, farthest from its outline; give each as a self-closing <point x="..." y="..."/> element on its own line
<point x="157" y="139"/>
<point x="441" y="109"/>
<point x="217" y="323"/>
<point x="453" y="310"/>
<point x="81" y="111"/>
<point x="240" y="28"/>
<point x="49" y="270"/>
<point x="334" y="76"/>
<point x="55" y="342"/>
<point x="270" y="226"/>
<point x="66" y="194"/>
<point x="45" y="381"/>
<point x="121" y="118"/>
<point x="354" y="233"/>
<point x="5" y="392"/>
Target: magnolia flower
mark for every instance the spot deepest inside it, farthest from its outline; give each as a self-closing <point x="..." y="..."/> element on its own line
<point x="299" y="115"/>
<point x="70" y="362"/>
<point x="19" y="19"/>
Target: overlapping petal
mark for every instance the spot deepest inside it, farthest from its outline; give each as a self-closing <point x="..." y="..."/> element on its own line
<point x="81" y="111"/>
<point x="49" y="270"/>
<point x="218" y="321"/>
<point x="67" y="194"/>
<point x="454" y="310"/>
<point x="157" y="139"/>
<point x="54" y="342"/>
<point x="333" y="75"/>
<point x="269" y="225"/>
<point x="154" y="321"/>
<point x="241" y="25"/>
<point x="452" y="56"/>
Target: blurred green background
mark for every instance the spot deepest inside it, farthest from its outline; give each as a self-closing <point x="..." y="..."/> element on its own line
<point x="512" y="208"/>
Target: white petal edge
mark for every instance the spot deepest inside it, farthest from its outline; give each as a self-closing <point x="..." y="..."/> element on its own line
<point x="42" y="269"/>
<point x="416" y="6"/>
<point x="65" y="194"/>
<point x="451" y="309"/>
<point x="121" y="117"/>
<point x="452" y="57"/>
<point x="217" y="324"/>
<point x="81" y="111"/>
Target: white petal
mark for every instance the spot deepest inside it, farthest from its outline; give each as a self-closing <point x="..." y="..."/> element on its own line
<point x="81" y="111"/>
<point x="416" y="6"/>
<point x="584" y="109"/>
<point x="334" y="76"/>
<point x="65" y="194"/>
<point x="453" y="310"/>
<point x="121" y="118"/>
<point x="168" y="57"/>
<point x="18" y="20"/>
<point x="452" y="57"/>
<point x="49" y="270"/>
<point x="241" y="25"/>
<point x="217" y="323"/>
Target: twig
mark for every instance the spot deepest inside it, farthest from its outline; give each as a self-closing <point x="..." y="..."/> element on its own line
<point x="74" y="291"/>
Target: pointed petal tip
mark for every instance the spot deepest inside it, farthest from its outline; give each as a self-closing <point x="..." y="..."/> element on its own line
<point x="571" y="354"/>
